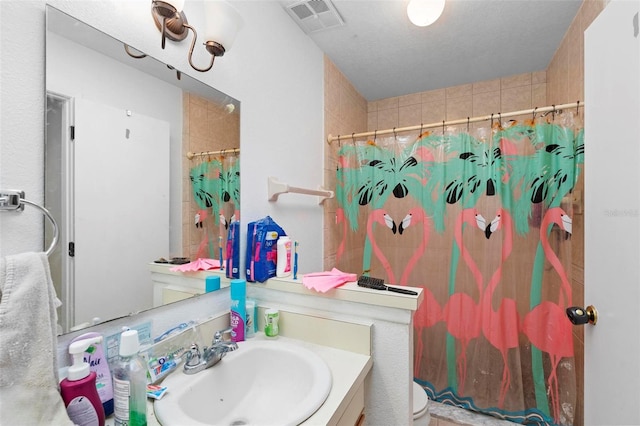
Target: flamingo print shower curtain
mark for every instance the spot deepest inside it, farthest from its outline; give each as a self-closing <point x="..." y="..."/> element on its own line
<point x="481" y="219"/>
<point x="215" y="191"/>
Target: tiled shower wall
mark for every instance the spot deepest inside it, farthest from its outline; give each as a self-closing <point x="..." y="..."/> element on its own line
<point x="345" y="112"/>
<point x="562" y="82"/>
<point x="513" y="93"/>
<point x="206" y="127"/>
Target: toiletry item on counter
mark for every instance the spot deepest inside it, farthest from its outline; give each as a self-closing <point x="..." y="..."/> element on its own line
<point x="232" y="263"/>
<point x="238" y="312"/>
<point x="262" y="254"/>
<point x="156" y="391"/>
<point x="295" y="260"/>
<point x="172" y="331"/>
<point x="378" y="284"/>
<point x="160" y="367"/>
<point x="130" y="383"/>
<point x="271" y="318"/>
<point x="211" y="283"/>
<point x="78" y="389"/>
<point x="94" y="356"/>
<point x="252" y="311"/>
<point x="220" y="253"/>
<point x="283" y="264"/>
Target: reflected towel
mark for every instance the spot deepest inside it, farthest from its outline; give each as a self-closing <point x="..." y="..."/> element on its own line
<point x="325" y="281"/>
<point x="197" y="265"/>
<point x="29" y="391"/>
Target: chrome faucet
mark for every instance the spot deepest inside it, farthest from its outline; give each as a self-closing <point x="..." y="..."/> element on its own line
<point x="210" y="356"/>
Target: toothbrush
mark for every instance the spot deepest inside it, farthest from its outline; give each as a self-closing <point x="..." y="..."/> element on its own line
<point x="295" y="260"/>
<point x="230" y="252"/>
<point x="220" y="251"/>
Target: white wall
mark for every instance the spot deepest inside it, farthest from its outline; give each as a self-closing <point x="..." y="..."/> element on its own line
<point x="273" y="69"/>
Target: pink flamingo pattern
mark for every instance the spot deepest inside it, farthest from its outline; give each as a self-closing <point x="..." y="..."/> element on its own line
<point x="381" y="217"/>
<point x="461" y="312"/>
<point x="527" y="169"/>
<point x="501" y="327"/>
<point x="429" y="312"/>
<point x="547" y="326"/>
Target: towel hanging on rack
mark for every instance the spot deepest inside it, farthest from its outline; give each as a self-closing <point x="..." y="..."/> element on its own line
<point x="13" y="200"/>
<point x="29" y="380"/>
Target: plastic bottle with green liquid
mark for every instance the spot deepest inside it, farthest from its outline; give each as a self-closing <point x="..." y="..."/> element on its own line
<point x="130" y="383"/>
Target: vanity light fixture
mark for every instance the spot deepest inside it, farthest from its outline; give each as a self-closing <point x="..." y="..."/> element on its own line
<point x="222" y="23"/>
<point x="424" y="12"/>
<point x="170" y="19"/>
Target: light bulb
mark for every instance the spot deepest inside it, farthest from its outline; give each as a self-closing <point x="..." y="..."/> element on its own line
<point x="424" y="12"/>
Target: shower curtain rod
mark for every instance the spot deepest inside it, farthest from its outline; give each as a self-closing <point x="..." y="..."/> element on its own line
<point x="421" y="127"/>
<point x="191" y="155"/>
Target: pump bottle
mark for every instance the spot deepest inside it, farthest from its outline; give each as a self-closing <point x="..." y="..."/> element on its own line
<point x="78" y="389"/>
<point x="130" y="383"/>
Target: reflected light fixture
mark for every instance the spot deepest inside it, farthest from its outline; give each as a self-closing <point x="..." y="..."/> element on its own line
<point x="222" y="23"/>
<point x="424" y="12"/>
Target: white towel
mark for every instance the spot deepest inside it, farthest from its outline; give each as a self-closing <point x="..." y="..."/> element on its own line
<point x="29" y="392"/>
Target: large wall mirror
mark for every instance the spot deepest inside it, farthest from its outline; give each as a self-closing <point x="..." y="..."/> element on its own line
<point x="119" y="125"/>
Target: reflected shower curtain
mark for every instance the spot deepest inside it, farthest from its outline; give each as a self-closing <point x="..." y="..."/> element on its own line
<point x="215" y="186"/>
<point x="481" y="220"/>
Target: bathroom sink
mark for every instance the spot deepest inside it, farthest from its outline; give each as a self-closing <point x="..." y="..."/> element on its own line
<point x="263" y="382"/>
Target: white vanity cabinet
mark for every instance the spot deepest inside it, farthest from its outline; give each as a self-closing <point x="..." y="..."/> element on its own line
<point x="370" y="322"/>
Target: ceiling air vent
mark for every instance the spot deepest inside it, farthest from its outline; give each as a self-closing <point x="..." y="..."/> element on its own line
<point x="314" y="15"/>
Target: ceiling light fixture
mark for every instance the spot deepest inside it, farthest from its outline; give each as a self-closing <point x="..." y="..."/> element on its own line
<point x="424" y="12"/>
<point x="222" y="23"/>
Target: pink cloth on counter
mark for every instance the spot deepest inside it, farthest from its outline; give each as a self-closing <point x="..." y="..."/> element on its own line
<point x="197" y="265"/>
<point x="325" y="281"/>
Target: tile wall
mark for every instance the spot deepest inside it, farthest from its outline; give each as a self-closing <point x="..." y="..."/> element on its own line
<point x="345" y="112"/>
<point x="513" y="93"/>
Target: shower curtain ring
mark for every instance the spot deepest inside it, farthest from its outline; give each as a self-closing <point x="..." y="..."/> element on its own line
<point x="442" y="127"/>
<point x="395" y="135"/>
<point x="578" y="108"/>
<point x="353" y="138"/>
<point x="468" y="120"/>
<point x="534" y="114"/>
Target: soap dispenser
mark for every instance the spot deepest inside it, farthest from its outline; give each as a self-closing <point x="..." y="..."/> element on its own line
<point x="78" y="389"/>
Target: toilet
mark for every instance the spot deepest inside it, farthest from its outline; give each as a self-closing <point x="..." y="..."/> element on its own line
<point x="421" y="416"/>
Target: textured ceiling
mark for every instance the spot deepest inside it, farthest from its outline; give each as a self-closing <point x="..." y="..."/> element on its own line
<point x="384" y="55"/>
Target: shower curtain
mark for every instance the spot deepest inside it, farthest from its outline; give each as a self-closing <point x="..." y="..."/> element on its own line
<point x="481" y="219"/>
<point x="215" y="185"/>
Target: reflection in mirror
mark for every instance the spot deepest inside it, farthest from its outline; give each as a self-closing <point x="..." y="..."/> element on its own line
<point x="117" y="175"/>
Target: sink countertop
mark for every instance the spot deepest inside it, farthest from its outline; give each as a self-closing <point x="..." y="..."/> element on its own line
<point x="348" y="371"/>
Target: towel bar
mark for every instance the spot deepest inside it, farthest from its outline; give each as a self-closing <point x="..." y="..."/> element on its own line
<point x="13" y="200"/>
<point x="275" y="188"/>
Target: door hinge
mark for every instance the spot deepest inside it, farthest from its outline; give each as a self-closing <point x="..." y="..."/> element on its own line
<point x="72" y="130"/>
<point x="72" y="249"/>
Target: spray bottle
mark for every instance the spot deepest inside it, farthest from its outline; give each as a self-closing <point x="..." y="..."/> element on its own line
<point x="78" y="389"/>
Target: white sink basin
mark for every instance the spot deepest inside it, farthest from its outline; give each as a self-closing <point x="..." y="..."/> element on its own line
<point x="263" y="382"/>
